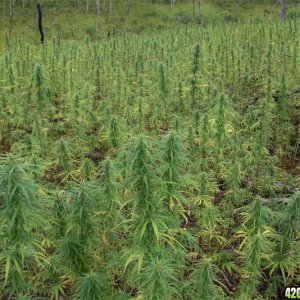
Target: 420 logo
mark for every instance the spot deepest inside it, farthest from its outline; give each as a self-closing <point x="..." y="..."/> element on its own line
<point x="292" y="293"/>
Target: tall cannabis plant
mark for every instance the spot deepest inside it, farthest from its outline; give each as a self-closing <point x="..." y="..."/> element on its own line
<point x="20" y="219"/>
<point x="76" y="246"/>
<point x="172" y="170"/>
<point x="257" y="245"/>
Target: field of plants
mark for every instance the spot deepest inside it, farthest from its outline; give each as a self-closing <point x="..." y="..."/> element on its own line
<point x="153" y="167"/>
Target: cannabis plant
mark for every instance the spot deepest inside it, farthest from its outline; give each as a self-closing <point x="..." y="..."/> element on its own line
<point x="21" y="247"/>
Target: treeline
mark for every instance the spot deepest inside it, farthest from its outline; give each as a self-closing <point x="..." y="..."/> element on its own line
<point x="8" y="6"/>
<point x="77" y="19"/>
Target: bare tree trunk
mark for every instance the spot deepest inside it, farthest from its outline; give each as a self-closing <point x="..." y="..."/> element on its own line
<point x="237" y="6"/>
<point x="87" y="5"/>
<point x="99" y="19"/>
<point x="283" y="7"/>
<point x="4" y="9"/>
<point x="110" y="6"/>
<point x="40" y="22"/>
<point x="201" y="21"/>
<point x="129" y="6"/>
<point x="193" y="10"/>
<point x="11" y="13"/>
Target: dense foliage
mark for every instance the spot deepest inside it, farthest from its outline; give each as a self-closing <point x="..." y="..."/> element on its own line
<point x="162" y="166"/>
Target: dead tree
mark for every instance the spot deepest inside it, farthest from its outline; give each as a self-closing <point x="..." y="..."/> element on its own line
<point x="283" y="7"/>
<point x="129" y="6"/>
<point x="40" y="22"/>
<point x="237" y="6"/>
<point x="11" y="13"/>
<point x="201" y="19"/>
<point x="193" y="9"/>
<point x="99" y="19"/>
<point x="4" y="9"/>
